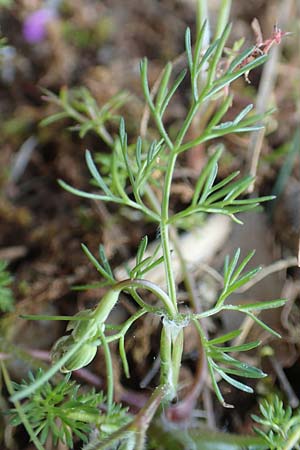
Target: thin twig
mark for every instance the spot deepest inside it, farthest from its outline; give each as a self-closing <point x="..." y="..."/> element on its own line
<point x="284" y="382"/>
<point x="151" y="373"/>
<point x="266" y="271"/>
<point x="266" y="87"/>
<point x="245" y="328"/>
<point x="209" y="407"/>
<point x="22" y="158"/>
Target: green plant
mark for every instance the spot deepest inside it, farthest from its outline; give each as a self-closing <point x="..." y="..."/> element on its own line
<point x="280" y="427"/>
<point x="3" y="42"/>
<point x="6" y="295"/>
<point x="137" y="190"/>
<point x="79" y="105"/>
<point x="63" y="412"/>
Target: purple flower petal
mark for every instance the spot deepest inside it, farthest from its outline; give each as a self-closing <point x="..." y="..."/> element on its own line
<point x="34" y="27"/>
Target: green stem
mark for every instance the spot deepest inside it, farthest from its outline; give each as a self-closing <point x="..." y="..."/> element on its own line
<point x="109" y="372"/>
<point x="177" y="349"/>
<point x="187" y="123"/>
<point x="50" y="373"/>
<point x="223" y="17"/>
<point x="138" y="299"/>
<point x="171" y="347"/>
<point x="164" y="230"/>
<point x="126" y="326"/>
<point x="165" y="211"/>
<point x="210" y="312"/>
<point x="293" y="440"/>
<point x="166" y="372"/>
<point x="46" y="317"/>
<point x="149" y="286"/>
<point x="20" y="410"/>
<point x="201" y="17"/>
<point x="165" y="241"/>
